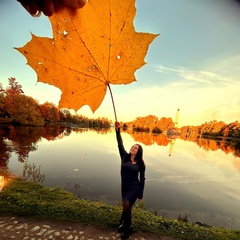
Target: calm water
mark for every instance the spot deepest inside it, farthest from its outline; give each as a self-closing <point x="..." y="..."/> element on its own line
<point x="205" y="185"/>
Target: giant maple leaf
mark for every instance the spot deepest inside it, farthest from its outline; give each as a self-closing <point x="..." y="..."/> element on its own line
<point x="90" y="49"/>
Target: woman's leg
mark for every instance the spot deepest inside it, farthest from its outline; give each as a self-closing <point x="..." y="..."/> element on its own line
<point x="127" y="210"/>
<point x="126" y="220"/>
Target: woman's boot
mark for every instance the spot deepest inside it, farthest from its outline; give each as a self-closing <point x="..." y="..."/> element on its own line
<point x="126" y="232"/>
<point x="121" y="224"/>
<point x="126" y="228"/>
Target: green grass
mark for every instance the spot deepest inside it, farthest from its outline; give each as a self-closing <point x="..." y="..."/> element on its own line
<point x="22" y="198"/>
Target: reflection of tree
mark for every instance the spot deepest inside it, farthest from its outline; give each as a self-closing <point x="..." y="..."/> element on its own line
<point x="237" y="149"/>
<point x="32" y="173"/>
<point x="161" y="139"/>
<point x="227" y="145"/>
<point x="149" y="139"/>
<point x="224" y="144"/>
<point x="4" y="151"/>
<point x="52" y="132"/>
<point x="144" y="138"/>
<point x="172" y="142"/>
<point x="23" y="139"/>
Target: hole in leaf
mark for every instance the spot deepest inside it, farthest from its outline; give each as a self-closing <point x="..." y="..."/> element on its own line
<point x="118" y="57"/>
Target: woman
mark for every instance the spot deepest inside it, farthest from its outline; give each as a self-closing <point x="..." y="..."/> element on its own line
<point x="132" y="181"/>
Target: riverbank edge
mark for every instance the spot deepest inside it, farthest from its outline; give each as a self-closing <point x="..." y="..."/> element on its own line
<point x="31" y="200"/>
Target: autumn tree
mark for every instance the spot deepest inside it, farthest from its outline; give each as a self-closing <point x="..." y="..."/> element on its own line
<point x="165" y="123"/>
<point x="145" y="124"/>
<point x="13" y="90"/>
<point x="190" y="132"/>
<point x="65" y="115"/>
<point x="14" y="104"/>
<point x="49" y="112"/>
<point x="1" y="88"/>
<point x="231" y="130"/>
<point x="26" y="110"/>
<point x="217" y="127"/>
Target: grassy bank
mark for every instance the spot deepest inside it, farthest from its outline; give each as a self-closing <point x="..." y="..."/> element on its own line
<point x="28" y="199"/>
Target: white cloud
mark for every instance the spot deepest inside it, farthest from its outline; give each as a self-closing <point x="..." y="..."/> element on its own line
<point x="203" y="76"/>
<point x="200" y="95"/>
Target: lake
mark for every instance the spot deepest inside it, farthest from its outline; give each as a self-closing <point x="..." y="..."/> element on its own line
<point x="182" y="178"/>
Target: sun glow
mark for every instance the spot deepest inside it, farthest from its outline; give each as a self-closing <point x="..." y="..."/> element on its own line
<point x="1" y="183"/>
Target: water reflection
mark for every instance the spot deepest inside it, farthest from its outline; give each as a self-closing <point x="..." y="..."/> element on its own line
<point x="200" y="178"/>
<point x="32" y="173"/>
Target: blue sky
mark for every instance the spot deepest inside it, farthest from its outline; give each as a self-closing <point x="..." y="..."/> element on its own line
<point x="193" y="65"/>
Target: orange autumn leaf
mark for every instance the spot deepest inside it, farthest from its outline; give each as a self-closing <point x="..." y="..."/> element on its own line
<point x="91" y="48"/>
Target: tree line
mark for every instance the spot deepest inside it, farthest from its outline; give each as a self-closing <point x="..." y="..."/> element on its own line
<point x="17" y="108"/>
<point x="212" y="129"/>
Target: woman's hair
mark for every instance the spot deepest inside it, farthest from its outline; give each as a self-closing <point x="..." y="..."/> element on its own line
<point x="139" y="157"/>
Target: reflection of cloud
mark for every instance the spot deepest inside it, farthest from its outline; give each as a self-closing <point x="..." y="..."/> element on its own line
<point x="222" y="160"/>
<point x="236" y="163"/>
<point x="184" y="179"/>
<point x="233" y="195"/>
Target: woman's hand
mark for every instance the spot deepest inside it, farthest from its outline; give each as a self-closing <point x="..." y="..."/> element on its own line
<point x="48" y="7"/>
<point x="117" y="125"/>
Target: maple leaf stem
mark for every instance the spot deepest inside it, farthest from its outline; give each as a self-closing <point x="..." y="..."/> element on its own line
<point x="112" y="101"/>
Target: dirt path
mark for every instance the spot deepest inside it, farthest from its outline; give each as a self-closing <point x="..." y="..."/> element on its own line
<point x="32" y="229"/>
